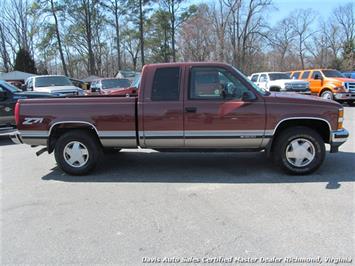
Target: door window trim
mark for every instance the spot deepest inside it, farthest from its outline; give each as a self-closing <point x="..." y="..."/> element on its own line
<point x="216" y="99"/>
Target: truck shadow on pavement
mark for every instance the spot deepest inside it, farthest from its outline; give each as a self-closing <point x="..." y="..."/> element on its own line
<point x="5" y="141"/>
<point x="208" y="168"/>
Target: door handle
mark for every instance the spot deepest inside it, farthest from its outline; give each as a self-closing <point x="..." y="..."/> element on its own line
<point x="190" y="109"/>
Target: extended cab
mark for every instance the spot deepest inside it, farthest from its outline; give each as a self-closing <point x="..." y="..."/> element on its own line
<point x="278" y="81"/>
<point x="328" y="84"/>
<point x="185" y="107"/>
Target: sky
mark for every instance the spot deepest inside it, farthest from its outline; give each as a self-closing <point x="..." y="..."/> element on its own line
<point x="322" y="7"/>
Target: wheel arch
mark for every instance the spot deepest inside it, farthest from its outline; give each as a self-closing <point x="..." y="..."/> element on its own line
<point x="320" y="125"/>
<point x="325" y="89"/>
<point x="59" y="128"/>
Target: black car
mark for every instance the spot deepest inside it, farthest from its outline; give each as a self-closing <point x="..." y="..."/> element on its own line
<point x="9" y="95"/>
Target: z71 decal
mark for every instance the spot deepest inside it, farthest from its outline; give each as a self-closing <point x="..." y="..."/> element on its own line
<point x="32" y="120"/>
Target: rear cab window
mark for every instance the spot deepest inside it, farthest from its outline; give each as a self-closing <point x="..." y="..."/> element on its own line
<point x="166" y="84"/>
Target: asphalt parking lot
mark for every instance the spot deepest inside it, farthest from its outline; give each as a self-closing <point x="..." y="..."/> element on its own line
<point x="146" y="205"/>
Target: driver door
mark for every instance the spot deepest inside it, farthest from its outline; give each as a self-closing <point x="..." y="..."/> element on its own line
<point x="215" y="114"/>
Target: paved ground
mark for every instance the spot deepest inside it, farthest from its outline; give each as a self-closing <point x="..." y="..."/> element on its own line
<point x="174" y="205"/>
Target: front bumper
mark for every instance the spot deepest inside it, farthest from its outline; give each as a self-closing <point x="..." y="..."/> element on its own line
<point x="307" y="92"/>
<point x="337" y="138"/>
<point x="16" y="138"/>
<point x="344" y="96"/>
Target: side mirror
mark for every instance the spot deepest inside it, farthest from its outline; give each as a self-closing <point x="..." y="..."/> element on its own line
<point x="94" y="89"/>
<point x="23" y="87"/>
<point x="316" y="76"/>
<point x="248" y="96"/>
<point x="3" y="95"/>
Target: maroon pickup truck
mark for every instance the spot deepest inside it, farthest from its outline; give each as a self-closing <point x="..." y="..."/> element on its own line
<point x="185" y="107"/>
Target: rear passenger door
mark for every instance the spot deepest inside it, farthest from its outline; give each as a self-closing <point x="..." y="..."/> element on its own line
<point x="163" y="109"/>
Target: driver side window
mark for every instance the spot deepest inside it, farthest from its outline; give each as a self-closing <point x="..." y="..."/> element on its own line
<point x="214" y="84"/>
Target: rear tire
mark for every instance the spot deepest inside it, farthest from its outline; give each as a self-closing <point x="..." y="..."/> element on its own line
<point x="299" y="150"/>
<point x="77" y="152"/>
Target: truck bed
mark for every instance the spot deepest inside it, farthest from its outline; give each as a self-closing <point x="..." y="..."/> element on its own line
<point x="113" y="118"/>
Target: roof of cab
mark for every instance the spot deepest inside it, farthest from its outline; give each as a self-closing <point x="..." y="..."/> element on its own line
<point x="178" y="64"/>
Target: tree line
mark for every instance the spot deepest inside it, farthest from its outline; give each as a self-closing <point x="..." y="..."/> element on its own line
<point x="100" y="37"/>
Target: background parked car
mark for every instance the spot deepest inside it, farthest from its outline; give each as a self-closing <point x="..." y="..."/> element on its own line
<point x="80" y="84"/>
<point x="109" y="85"/>
<point x="279" y="81"/>
<point x="328" y="84"/>
<point x="9" y="95"/>
<point x="350" y="74"/>
<point x="52" y="84"/>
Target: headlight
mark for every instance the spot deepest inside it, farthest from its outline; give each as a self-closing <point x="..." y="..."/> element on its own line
<point x="340" y="118"/>
<point x="345" y="85"/>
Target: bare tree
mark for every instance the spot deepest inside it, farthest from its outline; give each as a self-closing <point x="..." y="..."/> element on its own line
<point x="132" y="45"/>
<point x="196" y="40"/>
<point x="281" y="38"/>
<point x="344" y="15"/>
<point x="118" y="9"/>
<point x="301" y="22"/>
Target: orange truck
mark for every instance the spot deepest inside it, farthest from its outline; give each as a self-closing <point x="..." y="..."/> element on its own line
<point x="328" y="84"/>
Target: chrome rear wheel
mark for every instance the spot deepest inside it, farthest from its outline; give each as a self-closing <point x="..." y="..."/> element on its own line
<point x="76" y="154"/>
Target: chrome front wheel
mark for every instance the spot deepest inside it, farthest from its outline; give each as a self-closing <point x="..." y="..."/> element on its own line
<point x="300" y="152"/>
<point x="328" y="95"/>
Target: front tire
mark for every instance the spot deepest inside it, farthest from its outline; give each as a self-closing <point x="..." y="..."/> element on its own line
<point x="77" y="152"/>
<point x="299" y="150"/>
<point x="327" y="94"/>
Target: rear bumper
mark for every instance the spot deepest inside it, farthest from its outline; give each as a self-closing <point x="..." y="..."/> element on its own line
<point x="8" y="130"/>
<point x="16" y="138"/>
<point x="344" y="96"/>
<point x="337" y="138"/>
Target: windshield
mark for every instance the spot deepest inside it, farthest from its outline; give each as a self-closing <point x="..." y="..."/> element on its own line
<point x="260" y="90"/>
<point x="276" y="76"/>
<point x="52" y="81"/>
<point x="332" y="74"/>
<point x="115" y="83"/>
<point x="10" y="87"/>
